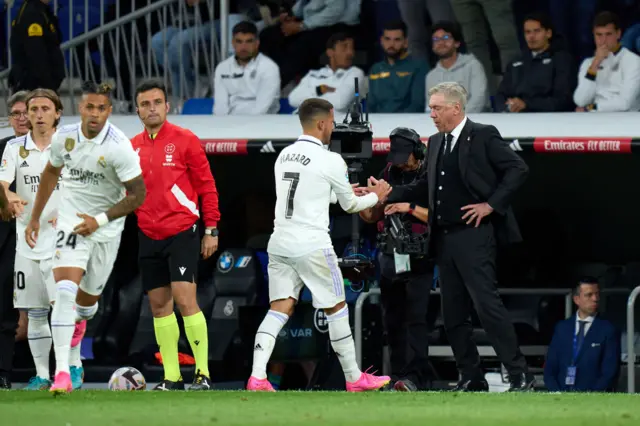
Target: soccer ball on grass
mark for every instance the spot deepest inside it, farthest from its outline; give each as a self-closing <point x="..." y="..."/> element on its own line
<point x="127" y="379"/>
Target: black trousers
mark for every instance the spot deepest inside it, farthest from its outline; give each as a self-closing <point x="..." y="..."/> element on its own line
<point x="466" y="258"/>
<point x="405" y="301"/>
<point x="8" y="314"/>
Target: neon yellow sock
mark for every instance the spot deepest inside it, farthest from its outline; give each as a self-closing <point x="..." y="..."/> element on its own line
<point x="196" y="328"/>
<point x="167" y="335"/>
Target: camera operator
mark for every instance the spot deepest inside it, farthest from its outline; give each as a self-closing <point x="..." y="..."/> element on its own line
<point x="405" y="279"/>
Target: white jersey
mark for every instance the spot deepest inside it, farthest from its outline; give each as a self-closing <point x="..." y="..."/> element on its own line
<point x="92" y="177"/>
<point x="306" y="176"/>
<point x="23" y="163"/>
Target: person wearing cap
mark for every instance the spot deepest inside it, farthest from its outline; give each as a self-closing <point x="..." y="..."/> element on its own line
<point x="405" y="286"/>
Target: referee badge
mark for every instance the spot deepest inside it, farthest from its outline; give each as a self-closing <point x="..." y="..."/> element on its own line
<point x="23" y="152"/>
<point x="69" y="143"/>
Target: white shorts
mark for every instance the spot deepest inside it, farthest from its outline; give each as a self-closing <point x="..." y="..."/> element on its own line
<point x="318" y="271"/>
<point x="95" y="258"/>
<point x="33" y="283"/>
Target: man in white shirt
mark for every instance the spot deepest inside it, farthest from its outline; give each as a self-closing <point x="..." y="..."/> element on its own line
<point x="336" y="81"/>
<point x="23" y="161"/>
<point x="300" y="250"/>
<point x="101" y="183"/>
<point x="249" y="82"/>
<point x="610" y="80"/>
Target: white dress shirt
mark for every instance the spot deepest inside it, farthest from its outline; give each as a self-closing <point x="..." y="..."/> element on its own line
<point x="587" y="326"/>
<point x="456" y="133"/>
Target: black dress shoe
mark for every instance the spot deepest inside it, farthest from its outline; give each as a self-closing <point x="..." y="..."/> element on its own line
<point x="470" y="385"/>
<point x="4" y="382"/>
<point x="522" y="383"/>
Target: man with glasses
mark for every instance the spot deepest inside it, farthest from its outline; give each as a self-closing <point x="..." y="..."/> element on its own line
<point x="9" y="315"/>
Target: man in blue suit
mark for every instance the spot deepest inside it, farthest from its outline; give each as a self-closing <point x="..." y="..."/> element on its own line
<point x="584" y="354"/>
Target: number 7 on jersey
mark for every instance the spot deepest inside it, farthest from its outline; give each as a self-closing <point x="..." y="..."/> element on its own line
<point x="293" y="178"/>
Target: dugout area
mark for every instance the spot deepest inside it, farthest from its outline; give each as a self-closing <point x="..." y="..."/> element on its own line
<point x="577" y="213"/>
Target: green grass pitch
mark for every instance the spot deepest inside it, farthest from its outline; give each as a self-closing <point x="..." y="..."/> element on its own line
<point x="98" y="408"/>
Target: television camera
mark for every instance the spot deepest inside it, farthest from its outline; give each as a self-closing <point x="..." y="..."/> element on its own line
<point x="398" y="237"/>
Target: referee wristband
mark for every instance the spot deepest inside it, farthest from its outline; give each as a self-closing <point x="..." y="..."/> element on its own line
<point x="102" y="219"/>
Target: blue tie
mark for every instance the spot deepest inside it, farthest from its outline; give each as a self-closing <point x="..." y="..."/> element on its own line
<point x="580" y="338"/>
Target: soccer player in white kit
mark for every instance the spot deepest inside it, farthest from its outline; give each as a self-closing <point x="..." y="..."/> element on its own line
<point x="23" y="161"/>
<point x="300" y="251"/>
<point x="101" y="183"/>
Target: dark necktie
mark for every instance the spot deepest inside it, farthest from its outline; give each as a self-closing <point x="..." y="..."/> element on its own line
<point x="580" y="338"/>
<point x="447" y="143"/>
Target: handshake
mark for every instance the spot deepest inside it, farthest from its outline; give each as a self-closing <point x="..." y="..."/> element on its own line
<point x="379" y="187"/>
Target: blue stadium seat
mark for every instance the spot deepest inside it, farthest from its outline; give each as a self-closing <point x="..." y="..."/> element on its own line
<point x="285" y="107"/>
<point x="198" y="106"/>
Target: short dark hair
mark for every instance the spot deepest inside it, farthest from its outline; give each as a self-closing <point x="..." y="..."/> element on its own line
<point x="49" y="94"/>
<point x="448" y="27"/>
<point x="92" y="88"/>
<point x="605" y="18"/>
<point x="542" y="18"/>
<point x="245" y="27"/>
<point x="396" y="25"/>
<point x="587" y="279"/>
<point x="150" y="84"/>
<point x="20" y="96"/>
<point x="311" y="108"/>
<point x="337" y="38"/>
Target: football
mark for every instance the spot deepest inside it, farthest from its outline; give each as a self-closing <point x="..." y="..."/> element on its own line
<point x="127" y="379"/>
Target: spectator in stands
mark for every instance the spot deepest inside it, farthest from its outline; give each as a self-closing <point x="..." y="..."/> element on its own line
<point x="610" y="80"/>
<point x="473" y="16"/>
<point x="584" y="354"/>
<point x="396" y="84"/>
<point x="542" y="79"/>
<point x="298" y="40"/>
<point x="249" y="82"/>
<point x="335" y="82"/>
<point x="572" y="19"/>
<point x="413" y="13"/>
<point x="35" y="48"/>
<point x="452" y="65"/>
<point x="180" y="39"/>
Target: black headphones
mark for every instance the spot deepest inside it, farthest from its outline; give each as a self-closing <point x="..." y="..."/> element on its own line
<point x="411" y="136"/>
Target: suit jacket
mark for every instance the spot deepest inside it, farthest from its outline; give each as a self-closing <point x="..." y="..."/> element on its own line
<point x="6" y="228"/>
<point x="490" y="170"/>
<point x="597" y="364"/>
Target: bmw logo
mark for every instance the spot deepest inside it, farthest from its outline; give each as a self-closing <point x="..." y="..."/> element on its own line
<point x="225" y="262"/>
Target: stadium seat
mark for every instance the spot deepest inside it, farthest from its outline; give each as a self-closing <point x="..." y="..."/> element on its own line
<point x="285" y="107"/>
<point x="198" y="106"/>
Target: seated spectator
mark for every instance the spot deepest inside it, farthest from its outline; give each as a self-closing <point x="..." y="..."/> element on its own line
<point x="298" y="40"/>
<point x="541" y="80"/>
<point x="462" y="68"/>
<point x="249" y="82"/>
<point x="610" y="80"/>
<point x="397" y="83"/>
<point x="584" y="354"/>
<point x="335" y="82"/>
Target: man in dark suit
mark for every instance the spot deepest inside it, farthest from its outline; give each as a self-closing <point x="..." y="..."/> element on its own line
<point x="471" y="176"/>
<point x="584" y="354"/>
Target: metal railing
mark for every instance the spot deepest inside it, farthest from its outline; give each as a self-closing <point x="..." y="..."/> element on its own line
<point x="125" y="52"/>
<point x="442" y="351"/>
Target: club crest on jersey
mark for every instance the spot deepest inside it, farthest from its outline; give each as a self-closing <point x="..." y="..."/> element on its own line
<point x="169" y="149"/>
<point x="69" y="143"/>
<point x="23" y="152"/>
<point x="102" y="162"/>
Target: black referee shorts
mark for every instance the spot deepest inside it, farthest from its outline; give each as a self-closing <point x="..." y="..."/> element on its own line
<point x="173" y="259"/>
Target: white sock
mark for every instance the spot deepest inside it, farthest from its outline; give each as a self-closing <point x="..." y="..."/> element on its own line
<point x="86" y="312"/>
<point x="63" y="322"/>
<point x="265" y="341"/>
<point x="342" y="343"/>
<point x="74" y="356"/>
<point x="39" y="335"/>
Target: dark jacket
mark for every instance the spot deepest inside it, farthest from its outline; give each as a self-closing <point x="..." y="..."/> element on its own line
<point x="491" y="171"/>
<point x="598" y="361"/>
<point x="545" y="83"/>
<point x="397" y="88"/>
<point x="6" y="228"/>
<point x="35" y="48"/>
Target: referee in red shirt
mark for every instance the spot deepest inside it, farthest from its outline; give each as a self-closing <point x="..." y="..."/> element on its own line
<point x="177" y="175"/>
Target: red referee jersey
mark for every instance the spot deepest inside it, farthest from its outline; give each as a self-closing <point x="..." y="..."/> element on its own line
<point x="177" y="174"/>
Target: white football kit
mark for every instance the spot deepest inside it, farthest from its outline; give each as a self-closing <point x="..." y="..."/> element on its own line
<point x="23" y="163"/>
<point x="92" y="177"/>
<point x="300" y="248"/>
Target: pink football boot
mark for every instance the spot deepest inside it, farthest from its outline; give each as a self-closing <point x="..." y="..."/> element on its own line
<point x="61" y="384"/>
<point x="262" y="385"/>
<point x="368" y="382"/>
